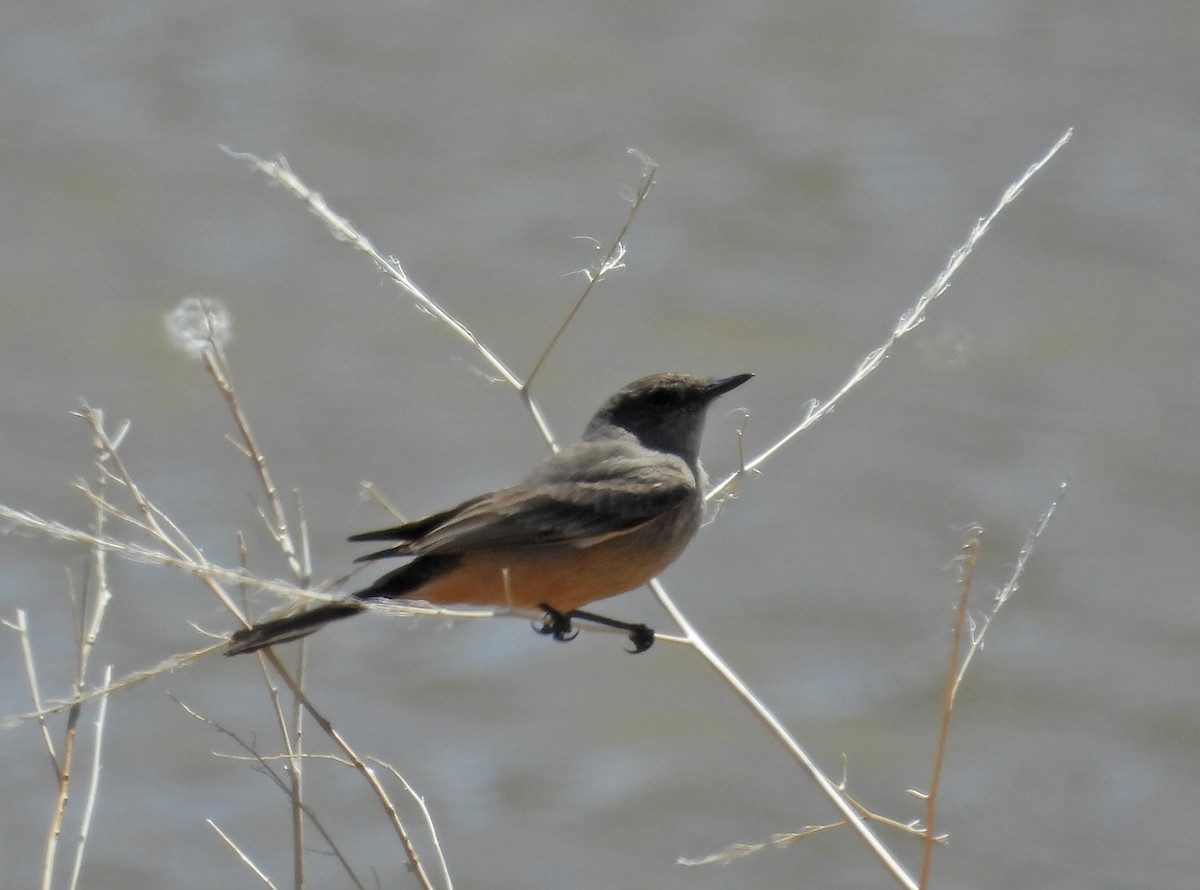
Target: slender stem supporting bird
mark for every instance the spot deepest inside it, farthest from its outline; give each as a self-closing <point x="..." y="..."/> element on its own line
<point x="763" y="713"/>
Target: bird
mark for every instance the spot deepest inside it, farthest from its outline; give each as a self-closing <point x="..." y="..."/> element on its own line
<point x="598" y="518"/>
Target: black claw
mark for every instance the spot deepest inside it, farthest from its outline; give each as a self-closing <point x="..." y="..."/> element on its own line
<point x="642" y="638"/>
<point x="556" y="624"/>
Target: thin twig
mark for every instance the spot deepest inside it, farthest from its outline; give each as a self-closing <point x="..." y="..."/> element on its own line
<point x="264" y="764"/>
<point x="970" y="554"/>
<point x="22" y="628"/>
<point x="343" y="230"/>
<point x="908" y="322"/>
<point x="395" y="609"/>
<point x="171" y="537"/>
<point x="205" y="570"/>
<point x="420" y="800"/>
<point x="90" y="630"/>
<point x="89" y="806"/>
<point x="96" y="595"/>
<point x="786" y="839"/>
<point x="1010" y="588"/>
<point x="296" y="772"/>
<point x="294" y="788"/>
<point x="246" y="860"/>
<point x="764" y="714"/>
<point x="299" y="563"/>
<point x="62" y="794"/>
<point x="612" y="260"/>
<point x="128" y="681"/>
<point x="367" y="773"/>
<point x="218" y="367"/>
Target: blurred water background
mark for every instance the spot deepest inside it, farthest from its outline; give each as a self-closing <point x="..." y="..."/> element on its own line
<point x="819" y="163"/>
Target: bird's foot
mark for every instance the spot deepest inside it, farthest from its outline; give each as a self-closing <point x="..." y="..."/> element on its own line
<point x="558" y="625"/>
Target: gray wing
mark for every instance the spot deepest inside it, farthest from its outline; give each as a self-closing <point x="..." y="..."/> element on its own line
<point x="586" y="494"/>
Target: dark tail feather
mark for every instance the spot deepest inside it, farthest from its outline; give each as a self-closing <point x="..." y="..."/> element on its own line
<point x="398" y="550"/>
<point x="398" y="533"/>
<point x="401" y="533"/>
<point x="281" y="630"/>
<point x="400" y="583"/>
<point x="409" y="532"/>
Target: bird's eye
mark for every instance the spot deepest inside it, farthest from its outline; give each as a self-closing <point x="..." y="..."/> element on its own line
<point x="662" y="397"/>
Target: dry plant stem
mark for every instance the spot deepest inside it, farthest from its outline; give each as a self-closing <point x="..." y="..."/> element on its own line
<point x="294" y="788"/>
<point x="306" y="569"/>
<point x="295" y="772"/>
<point x="128" y="681"/>
<point x="970" y="554"/>
<point x="198" y="566"/>
<point x="293" y="740"/>
<point x="908" y="321"/>
<point x="89" y="617"/>
<point x="89" y="632"/>
<point x="786" y="839"/>
<point x="89" y="806"/>
<point x="1008" y="589"/>
<point x="369" y="489"/>
<point x="175" y="662"/>
<point x="21" y="626"/>
<point x="611" y="261"/>
<point x="241" y="855"/>
<point x="181" y="548"/>
<point x="61" y="766"/>
<point x="142" y="555"/>
<point x="367" y="773"/>
<point x="760" y="710"/>
<point x="90" y="629"/>
<point x="282" y="785"/>
<point x="433" y="835"/>
<point x="182" y="553"/>
<point x="60" y="799"/>
<point x="218" y="367"/>
<point x="344" y="231"/>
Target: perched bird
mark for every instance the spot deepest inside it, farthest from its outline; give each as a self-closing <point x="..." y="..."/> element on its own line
<point x="598" y="518"/>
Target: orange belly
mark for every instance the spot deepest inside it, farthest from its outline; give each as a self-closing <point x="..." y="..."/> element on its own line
<point x="562" y="577"/>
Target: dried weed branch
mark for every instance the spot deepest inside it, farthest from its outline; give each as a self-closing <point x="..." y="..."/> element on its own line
<point x="781" y="840"/>
<point x="611" y="260"/>
<point x="90" y="605"/>
<point x="283" y="784"/>
<point x="966" y="576"/>
<point x="908" y="321"/>
<point x="1011" y="587"/>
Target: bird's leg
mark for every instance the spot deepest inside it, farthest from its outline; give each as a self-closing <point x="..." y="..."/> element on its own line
<point x="640" y="635"/>
<point x="559" y="624"/>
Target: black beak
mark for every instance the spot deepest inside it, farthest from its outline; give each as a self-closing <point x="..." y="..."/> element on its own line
<point x="722" y="385"/>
